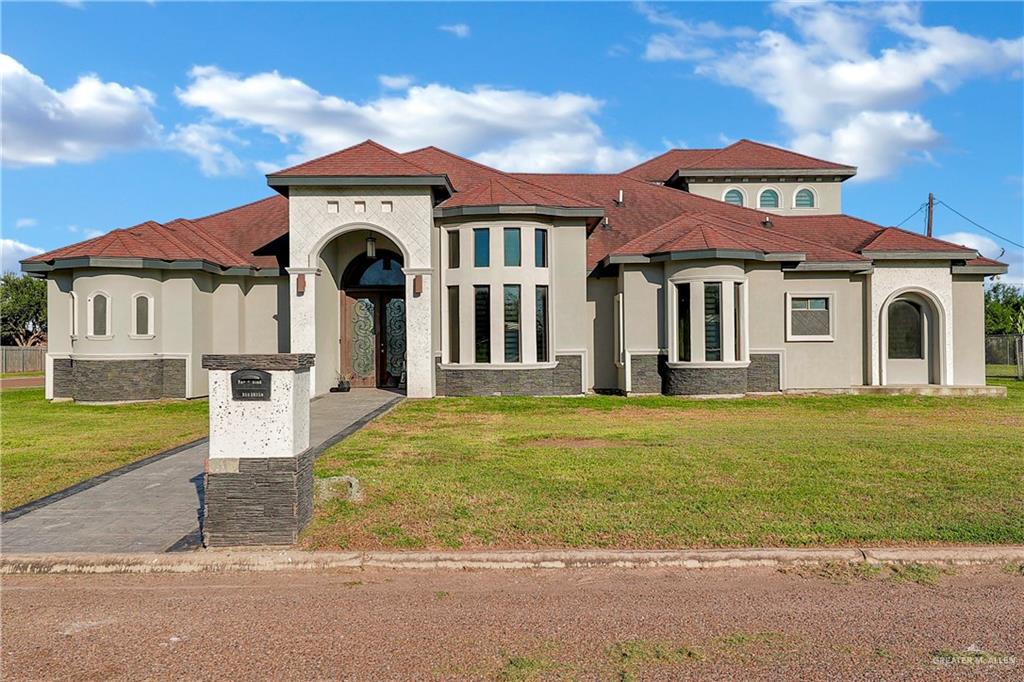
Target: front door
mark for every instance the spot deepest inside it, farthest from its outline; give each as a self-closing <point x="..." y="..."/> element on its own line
<point x="373" y="338"/>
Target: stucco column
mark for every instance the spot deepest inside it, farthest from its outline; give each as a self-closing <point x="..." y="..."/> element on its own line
<point x="419" y="359"/>
<point x="302" y="316"/>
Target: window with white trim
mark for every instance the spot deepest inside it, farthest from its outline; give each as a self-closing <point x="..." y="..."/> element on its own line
<point x="810" y="317"/>
<point x="142" y="316"/>
<point x="768" y="198"/>
<point x="99" y="315"/>
<point x="804" y="199"/>
<point x="620" y="332"/>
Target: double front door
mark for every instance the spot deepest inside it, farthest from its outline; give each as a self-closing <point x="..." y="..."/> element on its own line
<point x="373" y="338"/>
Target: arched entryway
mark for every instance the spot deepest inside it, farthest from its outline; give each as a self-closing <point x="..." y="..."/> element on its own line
<point x="911" y="347"/>
<point x="372" y="320"/>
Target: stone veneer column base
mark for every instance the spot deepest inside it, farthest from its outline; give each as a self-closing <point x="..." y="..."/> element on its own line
<point x="704" y="381"/>
<point x="257" y="501"/>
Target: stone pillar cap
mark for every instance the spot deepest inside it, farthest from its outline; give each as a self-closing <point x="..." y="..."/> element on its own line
<point x="265" y="361"/>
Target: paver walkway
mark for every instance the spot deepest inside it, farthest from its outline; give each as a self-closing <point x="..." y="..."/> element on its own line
<point x="157" y="506"/>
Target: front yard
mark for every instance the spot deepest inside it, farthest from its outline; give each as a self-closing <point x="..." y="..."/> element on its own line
<point x="666" y="472"/>
<point x="46" y="447"/>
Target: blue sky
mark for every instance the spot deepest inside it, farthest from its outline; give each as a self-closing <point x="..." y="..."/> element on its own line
<point x="117" y="113"/>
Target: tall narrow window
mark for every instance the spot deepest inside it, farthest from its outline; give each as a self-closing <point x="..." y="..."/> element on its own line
<point x="453" y="248"/>
<point x="737" y="321"/>
<point x="684" y="322"/>
<point x="713" y="321"/>
<point x="513" y="336"/>
<point x="540" y="248"/>
<point x="74" y="314"/>
<point x="481" y="247"/>
<point x="513" y="247"/>
<point x="482" y="323"/>
<point x="906" y="331"/>
<point x="99" y="315"/>
<point x="141" y="321"/>
<point x="453" y="324"/>
<point x="542" y="324"/>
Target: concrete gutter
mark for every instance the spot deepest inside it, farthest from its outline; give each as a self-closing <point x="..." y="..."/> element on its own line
<point x="221" y="561"/>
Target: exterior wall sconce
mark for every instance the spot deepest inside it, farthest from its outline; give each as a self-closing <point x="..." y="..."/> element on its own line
<point x="417" y="285"/>
<point x="300" y="285"/>
<point x="371" y="247"/>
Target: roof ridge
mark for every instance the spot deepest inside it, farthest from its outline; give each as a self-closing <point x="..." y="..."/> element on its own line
<point x="769" y="146"/>
<point x="884" y="230"/>
<point x="368" y="141"/>
<point x="669" y="151"/>
<point x="229" y="210"/>
<point x="713" y="154"/>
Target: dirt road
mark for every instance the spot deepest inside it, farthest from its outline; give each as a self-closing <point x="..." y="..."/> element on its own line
<point x="579" y="624"/>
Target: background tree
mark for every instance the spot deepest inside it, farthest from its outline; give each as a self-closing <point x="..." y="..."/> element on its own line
<point x="1004" y="309"/>
<point x="22" y="310"/>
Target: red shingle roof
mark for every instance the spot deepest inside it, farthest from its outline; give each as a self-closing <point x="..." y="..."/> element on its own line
<point x="364" y="159"/>
<point x="741" y="155"/>
<point x="506" y="190"/>
<point x="461" y="172"/>
<point x="895" y="239"/>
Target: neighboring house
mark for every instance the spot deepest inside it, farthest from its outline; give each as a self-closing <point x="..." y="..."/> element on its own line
<point x="699" y="272"/>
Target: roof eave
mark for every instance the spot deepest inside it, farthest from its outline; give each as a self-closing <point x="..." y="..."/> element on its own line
<point x="919" y="255"/>
<point x="281" y="183"/>
<point x="41" y="268"/>
<point x="526" y="209"/>
<point x="706" y="254"/>
<point x="855" y="266"/>
<point x="993" y="269"/>
<point x="844" y="173"/>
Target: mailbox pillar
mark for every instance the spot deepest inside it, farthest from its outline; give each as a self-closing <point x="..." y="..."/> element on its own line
<point x="259" y="475"/>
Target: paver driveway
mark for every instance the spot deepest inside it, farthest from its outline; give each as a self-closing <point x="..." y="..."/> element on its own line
<point x="157" y="506"/>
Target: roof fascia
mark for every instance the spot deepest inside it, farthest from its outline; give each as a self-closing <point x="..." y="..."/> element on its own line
<point x="146" y="264"/>
<point x="845" y="173"/>
<point x="919" y="255"/>
<point x="707" y="254"/>
<point x="857" y="266"/>
<point x="1000" y="269"/>
<point x="283" y="181"/>
<point x="531" y="209"/>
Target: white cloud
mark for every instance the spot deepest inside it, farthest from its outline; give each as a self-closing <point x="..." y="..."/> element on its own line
<point x="524" y="130"/>
<point x="457" y="30"/>
<point x="12" y="251"/>
<point x="205" y="142"/>
<point x="888" y="138"/>
<point x="838" y="95"/>
<point x="395" y="82"/>
<point x="25" y="222"/>
<point x="989" y="248"/>
<point x="43" y="126"/>
<point x="685" y="39"/>
<point x="85" y="232"/>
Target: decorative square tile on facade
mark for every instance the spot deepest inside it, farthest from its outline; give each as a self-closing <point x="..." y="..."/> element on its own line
<point x="698" y="272"/>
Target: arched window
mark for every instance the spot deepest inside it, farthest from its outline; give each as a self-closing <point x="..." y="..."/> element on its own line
<point x="99" y="315"/>
<point x="142" y="315"/>
<point x="768" y="198"/>
<point x="906" y="331"/>
<point x="734" y="197"/>
<point x="382" y="270"/>
<point x="804" y="199"/>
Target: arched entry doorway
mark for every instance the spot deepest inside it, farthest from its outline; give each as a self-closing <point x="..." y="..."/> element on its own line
<point x="373" y="343"/>
<point x="912" y="351"/>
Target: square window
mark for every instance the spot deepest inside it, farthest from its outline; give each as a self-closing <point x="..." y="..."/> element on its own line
<point x="810" y="318"/>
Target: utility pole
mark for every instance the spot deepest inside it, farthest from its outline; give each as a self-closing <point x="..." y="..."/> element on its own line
<point x="931" y="211"/>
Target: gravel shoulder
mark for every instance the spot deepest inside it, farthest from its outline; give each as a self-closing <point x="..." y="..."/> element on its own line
<point x="602" y="623"/>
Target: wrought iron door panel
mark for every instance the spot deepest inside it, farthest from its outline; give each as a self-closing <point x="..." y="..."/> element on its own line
<point x="364" y="338"/>
<point x="394" y="335"/>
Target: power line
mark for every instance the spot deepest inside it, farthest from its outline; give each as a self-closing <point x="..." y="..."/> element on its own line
<point x="994" y="234"/>
<point x="919" y="208"/>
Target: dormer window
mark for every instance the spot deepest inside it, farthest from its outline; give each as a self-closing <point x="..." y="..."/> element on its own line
<point x="804" y="199"/>
<point x="768" y="198"/>
<point x="734" y="197"/>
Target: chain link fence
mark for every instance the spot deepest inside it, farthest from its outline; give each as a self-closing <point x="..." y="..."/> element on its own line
<point x="1004" y="356"/>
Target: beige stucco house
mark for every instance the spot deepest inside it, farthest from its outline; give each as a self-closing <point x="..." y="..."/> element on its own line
<point x="725" y="271"/>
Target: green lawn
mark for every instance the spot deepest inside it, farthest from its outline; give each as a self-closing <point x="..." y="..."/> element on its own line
<point x="1001" y="371"/>
<point x="667" y="472"/>
<point x="46" y="447"/>
<point x="19" y="375"/>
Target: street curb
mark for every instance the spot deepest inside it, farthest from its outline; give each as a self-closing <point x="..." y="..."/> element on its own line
<point x="221" y="561"/>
